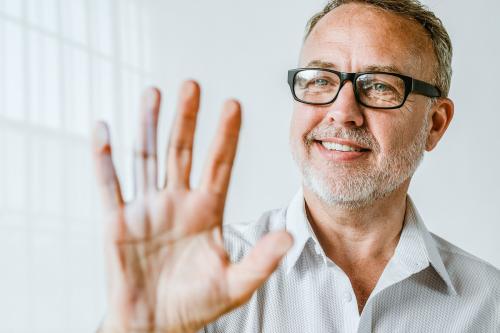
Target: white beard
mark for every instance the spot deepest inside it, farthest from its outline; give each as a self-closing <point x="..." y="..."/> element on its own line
<point x="352" y="189"/>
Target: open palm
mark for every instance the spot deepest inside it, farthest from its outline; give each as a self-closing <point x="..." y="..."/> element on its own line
<point x="167" y="267"/>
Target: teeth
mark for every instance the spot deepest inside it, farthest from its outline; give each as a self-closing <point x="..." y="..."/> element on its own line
<point x="339" y="147"/>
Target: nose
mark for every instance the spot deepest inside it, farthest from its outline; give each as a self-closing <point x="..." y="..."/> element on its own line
<point x="345" y="110"/>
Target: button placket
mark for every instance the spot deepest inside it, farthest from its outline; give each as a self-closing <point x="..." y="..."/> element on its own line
<point x="347" y="297"/>
<point x="350" y="308"/>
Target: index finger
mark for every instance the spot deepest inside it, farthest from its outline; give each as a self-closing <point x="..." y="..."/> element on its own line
<point x="218" y="169"/>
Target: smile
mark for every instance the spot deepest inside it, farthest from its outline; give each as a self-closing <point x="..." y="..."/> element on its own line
<point x="340" y="152"/>
<point x="339" y="147"/>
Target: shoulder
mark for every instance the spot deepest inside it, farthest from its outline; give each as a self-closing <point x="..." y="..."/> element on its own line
<point x="239" y="238"/>
<point x="468" y="270"/>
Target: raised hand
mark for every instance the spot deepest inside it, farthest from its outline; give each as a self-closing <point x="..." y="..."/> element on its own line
<point x="167" y="267"/>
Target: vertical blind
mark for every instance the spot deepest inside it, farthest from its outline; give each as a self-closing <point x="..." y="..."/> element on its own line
<point x="63" y="65"/>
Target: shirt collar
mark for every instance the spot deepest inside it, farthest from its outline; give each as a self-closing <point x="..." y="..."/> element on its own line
<point x="298" y="226"/>
<point x="416" y="249"/>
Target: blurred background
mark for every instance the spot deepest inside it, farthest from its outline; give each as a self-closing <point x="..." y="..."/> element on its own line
<point x="66" y="63"/>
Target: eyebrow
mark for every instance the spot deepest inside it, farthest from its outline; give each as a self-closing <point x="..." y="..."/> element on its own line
<point x="386" y="68"/>
<point x="370" y="68"/>
<point x="321" y="64"/>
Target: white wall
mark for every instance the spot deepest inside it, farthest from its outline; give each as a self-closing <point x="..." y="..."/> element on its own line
<point x="243" y="48"/>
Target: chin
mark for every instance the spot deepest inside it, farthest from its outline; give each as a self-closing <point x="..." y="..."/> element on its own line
<point x="351" y="192"/>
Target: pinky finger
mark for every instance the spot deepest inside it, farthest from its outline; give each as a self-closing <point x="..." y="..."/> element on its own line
<point x="108" y="183"/>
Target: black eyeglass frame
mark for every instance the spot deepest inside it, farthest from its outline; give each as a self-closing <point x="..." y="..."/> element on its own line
<point x="411" y="85"/>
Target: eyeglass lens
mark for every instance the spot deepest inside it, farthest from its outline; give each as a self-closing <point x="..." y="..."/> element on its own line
<point x="376" y="90"/>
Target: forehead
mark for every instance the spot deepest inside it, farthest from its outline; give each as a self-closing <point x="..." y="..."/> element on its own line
<point x="354" y="37"/>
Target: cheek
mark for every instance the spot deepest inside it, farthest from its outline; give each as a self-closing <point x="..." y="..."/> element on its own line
<point x="392" y="134"/>
<point x="303" y="121"/>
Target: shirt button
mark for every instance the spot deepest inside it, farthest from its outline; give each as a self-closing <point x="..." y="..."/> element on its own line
<point x="347" y="297"/>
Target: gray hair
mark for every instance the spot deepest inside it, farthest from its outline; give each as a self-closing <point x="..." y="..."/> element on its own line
<point x="413" y="10"/>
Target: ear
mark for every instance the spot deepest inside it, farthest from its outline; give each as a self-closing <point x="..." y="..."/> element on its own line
<point x="441" y="115"/>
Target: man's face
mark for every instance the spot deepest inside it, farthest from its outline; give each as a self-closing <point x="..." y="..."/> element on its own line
<point x="355" y="38"/>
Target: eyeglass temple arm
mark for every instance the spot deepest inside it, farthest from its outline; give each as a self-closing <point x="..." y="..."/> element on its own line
<point x="425" y="89"/>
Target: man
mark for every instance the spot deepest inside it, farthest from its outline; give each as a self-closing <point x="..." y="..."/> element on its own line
<point x="371" y="97"/>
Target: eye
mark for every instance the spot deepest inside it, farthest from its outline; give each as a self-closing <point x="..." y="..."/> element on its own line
<point x="320" y="82"/>
<point x="380" y="87"/>
<point x="377" y="87"/>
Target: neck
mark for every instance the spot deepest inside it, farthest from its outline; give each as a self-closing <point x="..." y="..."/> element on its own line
<point x="360" y="241"/>
<point x="354" y="235"/>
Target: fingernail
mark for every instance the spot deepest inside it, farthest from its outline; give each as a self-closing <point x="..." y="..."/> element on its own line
<point x="151" y="97"/>
<point x="101" y="135"/>
<point x="188" y="89"/>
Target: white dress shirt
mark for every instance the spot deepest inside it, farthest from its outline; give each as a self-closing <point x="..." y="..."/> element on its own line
<point x="429" y="285"/>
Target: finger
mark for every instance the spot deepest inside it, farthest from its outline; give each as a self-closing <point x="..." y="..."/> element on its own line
<point x="180" y="148"/>
<point x="145" y="160"/>
<point x="217" y="173"/>
<point x="109" y="186"/>
<point x="249" y="274"/>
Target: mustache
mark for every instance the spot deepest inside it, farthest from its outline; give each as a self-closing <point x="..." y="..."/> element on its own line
<point x="359" y="135"/>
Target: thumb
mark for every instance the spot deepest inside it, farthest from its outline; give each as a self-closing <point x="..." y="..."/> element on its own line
<point x="249" y="274"/>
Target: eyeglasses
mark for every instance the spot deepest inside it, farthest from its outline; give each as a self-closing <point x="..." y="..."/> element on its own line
<point x="378" y="90"/>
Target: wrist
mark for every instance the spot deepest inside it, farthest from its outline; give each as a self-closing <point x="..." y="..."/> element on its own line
<point x="107" y="327"/>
